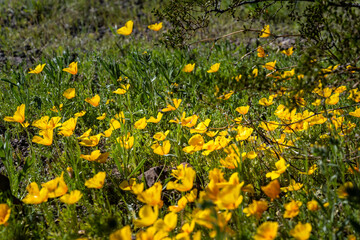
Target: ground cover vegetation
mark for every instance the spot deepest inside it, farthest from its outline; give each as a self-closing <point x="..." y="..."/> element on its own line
<point x="179" y="120"/>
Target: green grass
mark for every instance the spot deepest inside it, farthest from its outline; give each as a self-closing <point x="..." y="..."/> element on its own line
<point x="155" y="75"/>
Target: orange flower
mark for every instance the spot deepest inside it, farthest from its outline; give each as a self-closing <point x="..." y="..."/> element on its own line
<point x="5" y="211"/>
<point x="272" y="190"/>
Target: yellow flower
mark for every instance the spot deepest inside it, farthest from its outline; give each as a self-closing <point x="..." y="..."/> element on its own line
<point x="237" y="78"/>
<point x="351" y="237"/>
<point x="151" y="233"/>
<point x="181" y="204"/>
<point x="242" y="110"/>
<point x="47" y="137"/>
<point x="301" y="231"/>
<point x="292" y="209"/>
<point x="255" y="72"/>
<point x="132" y="186"/>
<point x="293" y="186"/>
<point x="281" y="167"/>
<point x="126" y="142"/>
<point x="356" y="113"/>
<point x="56" y="187"/>
<point x="156" y="26"/>
<point x="311" y="170"/>
<point x="187" y="229"/>
<point x="155" y="120"/>
<point x="97" y="181"/>
<point x="5" y="211"/>
<point x="80" y="114"/>
<point x="269" y="126"/>
<point x="127" y="29"/>
<point x="19" y="115"/>
<point x="333" y="99"/>
<point x="189" y="67"/>
<point x="72" y="69"/>
<point x="85" y="134"/>
<point x="71" y="198"/>
<point x="168" y="108"/>
<point x="91" y="141"/>
<point x="109" y="101"/>
<point x="226" y="96"/>
<point x="123" y="89"/>
<point x="326" y="92"/>
<point x="288" y="52"/>
<point x="270" y="65"/>
<point x="261" y="52"/>
<point x="317" y="102"/>
<point x="94" y="101"/>
<point x="265" y="32"/>
<point x="251" y="155"/>
<point x="288" y="74"/>
<point x="266" y="102"/>
<point x="339" y="89"/>
<point x="256" y="208"/>
<point x="68" y="127"/>
<point x="34" y="195"/>
<point x="162" y="150"/>
<point x="266" y="231"/>
<point x="186" y="121"/>
<point x="55" y="109"/>
<point x="201" y="127"/>
<point x="38" y="69"/>
<point x="342" y="191"/>
<point x="69" y="93"/>
<point x="160" y="136"/>
<point x="272" y="190"/>
<point x="152" y="195"/>
<point x="196" y="143"/>
<point x="147" y="215"/>
<point x="122" y="234"/>
<point x="44" y="123"/>
<point x="168" y="224"/>
<point x="183" y="174"/>
<point x="214" y="68"/>
<point x="313" y="205"/>
<point x="96" y="156"/>
<point x="102" y="117"/>
<point x="230" y="197"/>
<point x="243" y="133"/>
<point x="141" y="123"/>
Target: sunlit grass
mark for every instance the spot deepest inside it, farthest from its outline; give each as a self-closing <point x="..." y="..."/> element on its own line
<point x="149" y="145"/>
